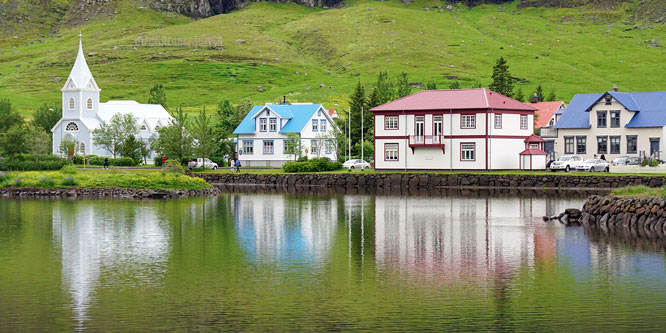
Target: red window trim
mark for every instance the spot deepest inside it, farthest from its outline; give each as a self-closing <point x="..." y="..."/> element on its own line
<point x="397" y="153"/>
<point x="467" y="143"/>
<point x="392" y="129"/>
<point x="501" y="121"/>
<point x="527" y="120"/>
<point x="466" y="128"/>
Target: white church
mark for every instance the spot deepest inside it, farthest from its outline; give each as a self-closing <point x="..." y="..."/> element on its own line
<point x="82" y="112"/>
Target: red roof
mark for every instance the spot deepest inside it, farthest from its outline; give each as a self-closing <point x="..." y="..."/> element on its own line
<point x="331" y="112"/>
<point x="534" y="138"/>
<point x="545" y="111"/>
<point x="533" y="151"/>
<point x="457" y="99"/>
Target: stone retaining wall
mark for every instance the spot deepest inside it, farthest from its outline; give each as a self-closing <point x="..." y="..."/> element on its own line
<point x="642" y="216"/>
<point x="417" y="180"/>
<point x="35" y="192"/>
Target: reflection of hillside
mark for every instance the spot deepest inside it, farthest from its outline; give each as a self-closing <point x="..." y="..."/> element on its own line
<point x="275" y="228"/>
<point x="116" y="239"/>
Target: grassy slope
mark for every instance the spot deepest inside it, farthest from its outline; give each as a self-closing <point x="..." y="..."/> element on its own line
<point x="587" y="52"/>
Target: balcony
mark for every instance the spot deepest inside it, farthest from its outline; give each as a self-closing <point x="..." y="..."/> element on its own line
<point x="548" y="132"/>
<point x="426" y="141"/>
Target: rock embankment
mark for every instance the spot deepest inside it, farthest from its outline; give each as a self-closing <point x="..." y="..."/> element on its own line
<point x="35" y="192"/>
<point x="640" y="215"/>
<point x="433" y="180"/>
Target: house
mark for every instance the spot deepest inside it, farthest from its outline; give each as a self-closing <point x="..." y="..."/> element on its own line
<point x="466" y="129"/>
<point x="333" y="113"/>
<point x="82" y="112"/>
<point x="262" y="134"/>
<point x="544" y="121"/>
<point x="614" y="124"/>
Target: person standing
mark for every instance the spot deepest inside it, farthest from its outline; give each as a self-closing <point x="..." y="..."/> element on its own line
<point x="106" y="163"/>
<point x="238" y="165"/>
<point x="232" y="163"/>
<point x="603" y="157"/>
<point x="163" y="159"/>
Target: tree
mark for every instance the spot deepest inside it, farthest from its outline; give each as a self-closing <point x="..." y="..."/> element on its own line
<point x="431" y="85"/>
<point x="227" y="119"/>
<point x="202" y="133"/>
<point x="146" y="147"/>
<point x="112" y="135"/>
<point x="47" y="116"/>
<point x="477" y="84"/>
<point x="454" y="85"/>
<point x="292" y="145"/>
<point x="131" y="147"/>
<point x="502" y="81"/>
<point x="38" y="141"/>
<point x="68" y="146"/>
<point x="537" y="95"/>
<point x="403" y="87"/>
<point x="551" y="97"/>
<point x="13" y="141"/>
<point x="384" y="87"/>
<point x="8" y="116"/>
<point x="356" y="102"/>
<point x="157" y="95"/>
<point x="174" y="140"/>
<point x="519" y="95"/>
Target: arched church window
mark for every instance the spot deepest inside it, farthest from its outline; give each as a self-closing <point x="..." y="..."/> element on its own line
<point x="144" y="128"/>
<point x="82" y="148"/>
<point x="71" y="104"/>
<point x="89" y="104"/>
<point x="72" y="127"/>
<point x="157" y="127"/>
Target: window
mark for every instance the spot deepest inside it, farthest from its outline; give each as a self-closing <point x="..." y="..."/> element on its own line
<point x="632" y="144"/>
<point x="89" y="104"/>
<point x="601" y="119"/>
<point x="602" y="145"/>
<point x="315" y="125"/>
<point x="268" y="146"/>
<point x="615" y="119"/>
<point x="581" y="144"/>
<point x="568" y="144"/>
<point x="523" y="122"/>
<point x="329" y="146"/>
<point x="609" y="99"/>
<point x="248" y="147"/>
<point x="391" y="122"/>
<point x="614" y="144"/>
<point x="313" y="146"/>
<point x="319" y="113"/>
<point x="390" y="151"/>
<point x="322" y="125"/>
<point x="467" y="151"/>
<point x="144" y="128"/>
<point x="272" y="124"/>
<point x="262" y="124"/>
<point x="498" y="121"/>
<point x="71" y="104"/>
<point x="437" y="125"/>
<point x="157" y="127"/>
<point x="71" y="127"/>
<point x="551" y="123"/>
<point x="268" y="112"/>
<point x="468" y="121"/>
<point x="82" y="148"/>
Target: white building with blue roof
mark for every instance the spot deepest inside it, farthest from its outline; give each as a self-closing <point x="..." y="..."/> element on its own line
<point x="613" y="124"/>
<point x="262" y="133"/>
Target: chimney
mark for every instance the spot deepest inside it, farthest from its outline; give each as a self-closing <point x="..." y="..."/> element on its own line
<point x="284" y="99"/>
<point x="535" y="98"/>
<point x="614" y="89"/>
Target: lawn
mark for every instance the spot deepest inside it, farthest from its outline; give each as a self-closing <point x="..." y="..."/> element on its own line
<point x="639" y="191"/>
<point x="138" y="179"/>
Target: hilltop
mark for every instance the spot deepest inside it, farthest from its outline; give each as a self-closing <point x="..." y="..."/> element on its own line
<point x="275" y="49"/>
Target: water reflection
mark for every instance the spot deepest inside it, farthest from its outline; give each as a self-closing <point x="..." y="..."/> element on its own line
<point x="116" y="244"/>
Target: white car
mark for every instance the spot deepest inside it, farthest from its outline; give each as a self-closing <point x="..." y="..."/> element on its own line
<point x="356" y="164"/>
<point x="566" y="163"/>
<point x="593" y="165"/>
<point x="195" y="163"/>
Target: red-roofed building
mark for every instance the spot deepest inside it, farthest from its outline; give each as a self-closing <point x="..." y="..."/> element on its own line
<point x="333" y="113"/>
<point x="545" y="120"/>
<point x="533" y="157"/>
<point x="466" y="129"/>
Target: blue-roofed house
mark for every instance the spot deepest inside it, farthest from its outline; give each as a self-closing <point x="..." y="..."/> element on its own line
<point x="262" y="133"/>
<point x="613" y="124"/>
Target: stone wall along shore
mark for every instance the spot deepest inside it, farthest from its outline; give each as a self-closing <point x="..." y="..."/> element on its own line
<point x="432" y="180"/>
<point x="640" y="216"/>
<point x="127" y="193"/>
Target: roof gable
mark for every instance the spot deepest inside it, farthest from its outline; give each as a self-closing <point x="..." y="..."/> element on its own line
<point x="456" y="99"/>
<point x="545" y="111"/>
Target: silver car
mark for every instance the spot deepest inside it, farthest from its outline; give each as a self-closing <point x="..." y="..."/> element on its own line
<point x="626" y="160"/>
<point x="356" y="164"/>
<point x="593" y="165"/>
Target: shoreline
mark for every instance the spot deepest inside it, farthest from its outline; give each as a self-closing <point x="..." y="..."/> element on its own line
<point x="103" y="192"/>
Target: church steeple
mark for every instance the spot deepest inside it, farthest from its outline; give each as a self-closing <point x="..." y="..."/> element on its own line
<point x="80" y="77"/>
<point x="80" y="95"/>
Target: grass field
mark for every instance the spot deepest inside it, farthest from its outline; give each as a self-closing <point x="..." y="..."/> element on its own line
<point x="290" y="50"/>
<point x="636" y="191"/>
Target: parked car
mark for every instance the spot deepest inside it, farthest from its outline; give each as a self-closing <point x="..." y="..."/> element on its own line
<point x="593" y="165"/>
<point x="356" y="164"/>
<point x="626" y="160"/>
<point x="566" y="163"/>
<point x="195" y="163"/>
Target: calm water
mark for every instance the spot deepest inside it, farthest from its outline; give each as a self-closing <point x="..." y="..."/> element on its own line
<point x="276" y="262"/>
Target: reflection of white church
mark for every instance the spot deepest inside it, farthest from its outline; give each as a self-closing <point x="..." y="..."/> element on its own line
<point x="82" y="112"/>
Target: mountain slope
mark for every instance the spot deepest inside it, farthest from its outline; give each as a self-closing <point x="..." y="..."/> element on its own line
<point x="287" y="49"/>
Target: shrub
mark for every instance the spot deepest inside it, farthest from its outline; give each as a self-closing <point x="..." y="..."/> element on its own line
<point x="69" y="181"/>
<point x="68" y="170"/>
<point x="313" y="165"/>
<point x="20" y="164"/>
<point x="158" y="160"/>
<point x="45" y="182"/>
<point x="4" y="177"/>
<point x="123" y="161"/>
<point x="302" y="159"/>
<point x="172" y="166"/>
<point x="18" y="182"/>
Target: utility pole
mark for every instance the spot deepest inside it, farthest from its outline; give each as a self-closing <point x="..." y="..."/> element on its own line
<point x="362" y="130"/>
<point x="349" y="120"/>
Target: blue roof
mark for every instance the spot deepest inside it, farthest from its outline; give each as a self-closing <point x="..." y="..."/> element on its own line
<point x="649" y="108"/>
<point x="299" y="115"/>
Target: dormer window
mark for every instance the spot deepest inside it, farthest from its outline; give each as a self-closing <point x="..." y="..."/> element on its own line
<point x="262" y="124"/>
<point x="272" y="125"/>
<point x="89" y="104"/>
<point x="71" y="127"/>
<point x="71" y="104"/>
<point x="268" y="112"/>
<point x="609" y="99"/>
<point x="157" y="127"/>
<point x="144" y="128"/>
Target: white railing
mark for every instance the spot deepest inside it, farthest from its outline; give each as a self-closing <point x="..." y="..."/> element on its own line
<point x="426" y="140"/>
<point x="548" y="132"/>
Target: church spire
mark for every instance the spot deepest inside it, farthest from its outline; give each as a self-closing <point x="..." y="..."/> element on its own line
<point x="80" y="75"/>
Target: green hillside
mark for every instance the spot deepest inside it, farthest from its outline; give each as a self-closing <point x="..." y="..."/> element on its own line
<point x="291" y="50"/>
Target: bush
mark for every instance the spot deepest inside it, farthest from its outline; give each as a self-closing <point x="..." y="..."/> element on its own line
<point x="69" y="181"/>
<point x="172" y="166"/>
<point x="4" y="177"/>
<point x="302" y="159"/>
<point x="68" y="170"/>
<point x="313" y="165"/>
<point x="46" y="182"/>
<point x="158" y="160"/>
<point x="18" y="182"/>
<point x="29" y="164"/>
<point x="123" y="161"/>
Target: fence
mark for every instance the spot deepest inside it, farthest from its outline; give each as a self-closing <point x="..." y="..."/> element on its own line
<point x="210" y="42"/>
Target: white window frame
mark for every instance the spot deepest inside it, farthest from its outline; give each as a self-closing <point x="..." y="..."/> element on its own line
<point x="263" y="127"/>
<point x="315" y="125"/>
<point x="272" y="124"/>
<point x="498" y="121"/>
<point x="468" y="121"/>
<point x="523" y="122"/>
<point x="89" y="104"/>
<point x="468" y="151"/>
<point x="72" y="103"/>
<point x="248" y="144"/>
<point x="269" y="147"/>
<point x="390" y="122"/>
<point x="76" y="126"/>
<point x="322" y="125"/>
<point x="391" y="152"/>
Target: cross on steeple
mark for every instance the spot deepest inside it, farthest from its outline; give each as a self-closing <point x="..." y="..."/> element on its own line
<point x="80" y="35"/>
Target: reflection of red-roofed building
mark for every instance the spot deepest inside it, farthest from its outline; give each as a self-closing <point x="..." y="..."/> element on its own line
<point x="333" y="113"/>
<point x="544" y="120"/>
<point x="533" y="157"/>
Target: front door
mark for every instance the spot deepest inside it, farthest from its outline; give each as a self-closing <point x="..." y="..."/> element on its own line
<point x="420" y="128"/>
<point x="654" y="147"/>
<point x="437" y="129"/>
<point x="550" y="146"/>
